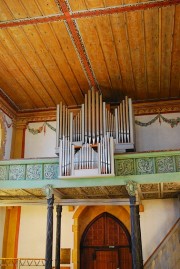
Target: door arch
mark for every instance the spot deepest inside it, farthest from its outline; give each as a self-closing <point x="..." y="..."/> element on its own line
<point x="105" y="244"/>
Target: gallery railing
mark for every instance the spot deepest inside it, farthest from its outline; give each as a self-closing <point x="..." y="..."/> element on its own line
<point x="17" y="263"/>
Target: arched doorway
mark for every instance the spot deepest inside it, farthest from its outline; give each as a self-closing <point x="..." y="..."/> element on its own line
<point x="106" y="244"/>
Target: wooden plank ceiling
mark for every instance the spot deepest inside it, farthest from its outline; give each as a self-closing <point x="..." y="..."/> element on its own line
<point x="55" y="50"/>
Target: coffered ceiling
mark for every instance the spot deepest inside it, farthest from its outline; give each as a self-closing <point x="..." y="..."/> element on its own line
<point x="55" y="50"/>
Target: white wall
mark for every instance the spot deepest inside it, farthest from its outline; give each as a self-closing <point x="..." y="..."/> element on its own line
<point x="32" y="234"/>
<point x="153" y="137"/>
<point x="157" y="219"/>
<point x="2" y="221"/>
<point x="157" y="136"/>
<point x="41" y="144"/>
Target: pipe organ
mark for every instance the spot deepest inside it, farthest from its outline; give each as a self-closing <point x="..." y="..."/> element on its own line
<point x="86" y="140"/>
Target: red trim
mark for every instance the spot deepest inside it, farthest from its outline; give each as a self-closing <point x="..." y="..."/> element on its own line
<point x="89" y="13"/>
<point x="77" y="41"/>
<point x="122" y="9"/>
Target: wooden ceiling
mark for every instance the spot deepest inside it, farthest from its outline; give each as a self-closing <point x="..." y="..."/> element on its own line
<point x="55" y="50"/>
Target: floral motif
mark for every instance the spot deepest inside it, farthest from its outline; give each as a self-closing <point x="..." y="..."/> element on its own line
<point x="124" y="167"/>
<point x="51" y="171"/>
<point x="178" y="163"/>
<point x="3" y="172"/>
<point x="165" y="164"/>
<point x="145" y="166"/>
<point x="17" y="172"/>
<point x="34" y="171"/>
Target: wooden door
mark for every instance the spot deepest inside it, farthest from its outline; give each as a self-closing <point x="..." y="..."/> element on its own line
<point x="106" y="244"/>
<point x="106" y="259"/>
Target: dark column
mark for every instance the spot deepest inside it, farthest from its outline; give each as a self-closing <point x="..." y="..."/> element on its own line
<point x="49" y="233"/>
<point x="136" y="234"/>
<point x="58" y="236"/>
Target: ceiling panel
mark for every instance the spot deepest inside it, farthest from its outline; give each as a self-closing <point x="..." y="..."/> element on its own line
<point x="56" y="55"/>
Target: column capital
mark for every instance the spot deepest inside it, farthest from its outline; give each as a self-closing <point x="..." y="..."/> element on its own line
<point x="48" y="190"/>
<point x="131" y="187"/>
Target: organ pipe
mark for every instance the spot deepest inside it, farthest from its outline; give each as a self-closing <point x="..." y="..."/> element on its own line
<point x="87" y="139"/>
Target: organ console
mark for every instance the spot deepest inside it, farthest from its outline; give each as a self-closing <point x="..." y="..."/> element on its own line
<point x="87" y="140"/>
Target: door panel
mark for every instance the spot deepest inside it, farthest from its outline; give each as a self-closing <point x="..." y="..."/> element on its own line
<point x="106" y="260"/>
<point x="105" y="244"/>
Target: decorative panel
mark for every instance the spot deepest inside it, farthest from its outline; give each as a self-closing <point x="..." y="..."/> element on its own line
<point x="178" y="163"/>
<point x="17" y="172"/>
<point x="149" y="187"/>
<point x="145" y="166"/>
<point x="34" y="171"/>
<point x="165" y="165"/>
<point x="51" y="171"/>
<point x="3" y="172"/>
<point x="116" y="190"/>
<point x="124" y="167"/>
<point x="172" y="186"/>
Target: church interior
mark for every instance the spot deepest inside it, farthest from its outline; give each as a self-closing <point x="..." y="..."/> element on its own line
<point x="89" y="134"/>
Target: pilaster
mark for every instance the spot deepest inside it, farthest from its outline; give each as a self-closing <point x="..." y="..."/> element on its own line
<point x="18" y="139"/>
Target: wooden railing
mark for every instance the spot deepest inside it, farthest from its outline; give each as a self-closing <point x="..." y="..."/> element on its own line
<point x="167" y="254"/>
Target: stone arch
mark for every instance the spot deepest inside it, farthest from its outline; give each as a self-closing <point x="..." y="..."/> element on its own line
<point x="85" y="214"/>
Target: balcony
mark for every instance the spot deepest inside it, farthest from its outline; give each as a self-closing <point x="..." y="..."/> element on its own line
<point x="157" y="175"/>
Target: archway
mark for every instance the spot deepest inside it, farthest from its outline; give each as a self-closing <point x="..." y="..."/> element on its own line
<point x="85" y="214"/>
<point x="105" y="244"/>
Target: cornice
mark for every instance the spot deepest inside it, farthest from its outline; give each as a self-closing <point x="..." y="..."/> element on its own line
<point x="145" y="108"/>
<point x="36" y="116"/>
<point x="7" y="108"/>
<point x="170" y="106"/>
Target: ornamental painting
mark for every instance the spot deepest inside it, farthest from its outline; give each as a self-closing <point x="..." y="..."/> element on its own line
<point x="2" y="135"/>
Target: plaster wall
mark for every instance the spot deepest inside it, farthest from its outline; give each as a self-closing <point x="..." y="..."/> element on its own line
<point x="41" y="144"/>
<point x="153" y="137"/>
<point x="32" y="233"/>
<point x="2" y="222"/>
<point x="156" y="221"/>
<point x="157" y="136"/>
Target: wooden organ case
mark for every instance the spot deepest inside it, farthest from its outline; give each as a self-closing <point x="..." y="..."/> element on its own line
<point x="87" y="139"/>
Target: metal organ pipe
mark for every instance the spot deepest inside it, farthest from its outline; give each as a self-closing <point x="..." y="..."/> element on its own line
<point x="86" y="138"/>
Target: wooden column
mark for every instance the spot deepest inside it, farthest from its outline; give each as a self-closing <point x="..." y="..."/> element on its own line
<point x="58" y="236"/>
<point x="49" y="229"/>
<point x="137" y="259"/>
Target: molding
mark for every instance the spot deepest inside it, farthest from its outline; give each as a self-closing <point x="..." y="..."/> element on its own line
<point x="147" y="108"/>
<point x="7" y="108"/>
